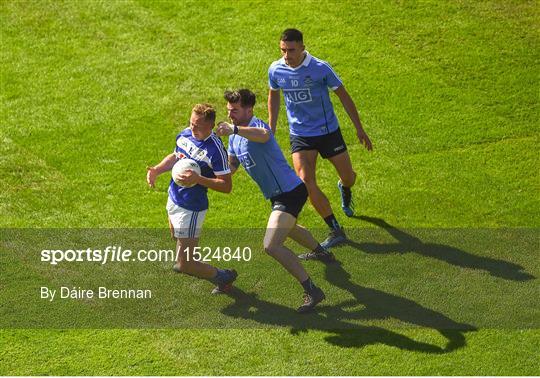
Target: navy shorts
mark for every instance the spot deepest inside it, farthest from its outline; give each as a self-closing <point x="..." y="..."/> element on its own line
<point x="291" y="202"/>
<point x="327" y="145"/>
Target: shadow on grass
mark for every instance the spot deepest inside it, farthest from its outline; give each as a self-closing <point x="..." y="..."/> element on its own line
<point x="408" y="243"/>
<point x="376" y="305"/>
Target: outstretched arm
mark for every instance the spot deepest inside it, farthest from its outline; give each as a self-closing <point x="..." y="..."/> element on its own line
<point x="165" y="165"/>
<point x="351" y="110"/>
<point x="255" y="134"/>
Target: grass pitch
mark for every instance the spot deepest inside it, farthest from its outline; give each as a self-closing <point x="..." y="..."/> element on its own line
<point x="441" y="277"/>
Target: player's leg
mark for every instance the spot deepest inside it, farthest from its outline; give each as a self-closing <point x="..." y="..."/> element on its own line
<point x="302" y="236"/>
<point x="186" y="263"/>
<point x="187" y="226"/>
<point x="278" y="228"/>
<point x="304" y="162"/>
<point x="335" y="150"/>
<point x="347" y="178"/>
<point x="279" y="225"/>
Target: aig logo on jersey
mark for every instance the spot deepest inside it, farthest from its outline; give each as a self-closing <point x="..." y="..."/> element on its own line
<point x="297" y="96"/>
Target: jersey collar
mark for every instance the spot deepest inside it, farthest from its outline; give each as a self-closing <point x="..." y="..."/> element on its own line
<point x="208" y="137"/>
<point x="252" y="121"/>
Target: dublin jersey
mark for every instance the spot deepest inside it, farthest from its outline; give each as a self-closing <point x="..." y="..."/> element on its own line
<point x="212" y="159"/>
<point x="305" y="89"/>
<point x="264" y="162"/>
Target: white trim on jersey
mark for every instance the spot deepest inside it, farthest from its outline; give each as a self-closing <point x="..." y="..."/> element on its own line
<point x="334" y="72"/>
<point x="224" y="160"/>
<point x="258" y="123"/>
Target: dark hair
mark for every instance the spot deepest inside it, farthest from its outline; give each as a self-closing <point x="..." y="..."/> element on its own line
<point x="292" y="35"/>
<point x="244" y="96"/>
<point x="205" y="110"/>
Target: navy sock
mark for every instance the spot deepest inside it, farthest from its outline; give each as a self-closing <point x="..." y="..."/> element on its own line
<point x="308" y="285"/>
<point x="319" y="249"/>
<point x="332" y="222"/>
<point x="221" y="275"/>
<point x="346" y="192"/>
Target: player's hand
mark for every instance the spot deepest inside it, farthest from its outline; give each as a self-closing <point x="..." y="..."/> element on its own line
<point x="224" y="129"/>
<point x="151" y="175"/>
<point x="364" y="139"/>
<point x="189" y="178"/>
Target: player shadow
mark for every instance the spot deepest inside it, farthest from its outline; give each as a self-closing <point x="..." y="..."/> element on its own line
<point x="381" y="305"/>
<point x="373" y="305"/>
<point x="408" y="243"/>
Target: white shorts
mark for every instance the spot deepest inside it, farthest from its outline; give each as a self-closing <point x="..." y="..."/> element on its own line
<point x="186" y="223"/>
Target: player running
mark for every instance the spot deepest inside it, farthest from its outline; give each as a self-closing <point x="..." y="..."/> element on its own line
<point x="254" y="146"/>
<point x="187" y="206"/>
<point x="313" y="126"/>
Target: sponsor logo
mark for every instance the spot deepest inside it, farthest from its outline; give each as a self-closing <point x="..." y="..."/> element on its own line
<point x="190" y="150"/>
<point x="297" y="96"/>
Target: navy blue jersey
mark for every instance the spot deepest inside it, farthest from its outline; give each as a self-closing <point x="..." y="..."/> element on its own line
<point x="211" y="156"/>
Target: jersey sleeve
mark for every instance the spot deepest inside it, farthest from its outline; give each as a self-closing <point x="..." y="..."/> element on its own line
<point x="230" y="149"/>
<point x="332" y="79"/>
<point x="272" y="82"/>
<point x="220" y="162"/>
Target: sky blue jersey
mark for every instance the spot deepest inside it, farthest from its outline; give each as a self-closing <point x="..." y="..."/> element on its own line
<point x="211" y="156"/>
<point x="305" y="89"/>
<point x="264" y="162"/>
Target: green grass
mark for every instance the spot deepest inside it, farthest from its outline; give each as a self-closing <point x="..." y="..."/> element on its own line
<point x="94" y="91"/>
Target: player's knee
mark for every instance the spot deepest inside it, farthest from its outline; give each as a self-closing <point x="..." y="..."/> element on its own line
<point x="311" y="185"/>
<point x="270" y="248"/>
<point x="179" y="267"/>
<point x="349" y="179"/>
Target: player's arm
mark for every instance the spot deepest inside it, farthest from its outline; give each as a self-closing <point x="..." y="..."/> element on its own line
<point x="234" y="163"/>
<point x="254" y="134"/>
<point x="222" y="183"/>
<point x="350" y="108"/>
<point x="165" y="165"/>
<point x="274" y="99"/>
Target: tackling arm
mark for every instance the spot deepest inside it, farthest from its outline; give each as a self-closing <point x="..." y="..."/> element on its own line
<point x="254" y="134"/>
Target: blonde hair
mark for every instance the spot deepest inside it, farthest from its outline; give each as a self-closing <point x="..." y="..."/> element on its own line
<point x="205" y="110"/>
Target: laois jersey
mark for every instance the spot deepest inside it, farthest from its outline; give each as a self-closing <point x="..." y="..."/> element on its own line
<point x="305" y="89"/>
<point x="211" y="156"/>
<point x="264" y="162"/>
